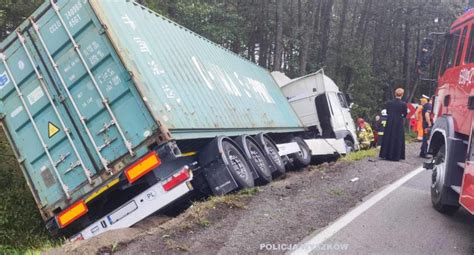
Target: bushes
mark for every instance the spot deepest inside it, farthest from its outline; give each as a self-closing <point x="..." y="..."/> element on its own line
<point x="21" y="226"/>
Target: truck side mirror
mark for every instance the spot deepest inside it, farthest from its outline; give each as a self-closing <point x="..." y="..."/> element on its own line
<point x="426" y="56"/>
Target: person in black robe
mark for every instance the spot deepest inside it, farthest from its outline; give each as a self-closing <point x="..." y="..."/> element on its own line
<point x="393" y="143"/>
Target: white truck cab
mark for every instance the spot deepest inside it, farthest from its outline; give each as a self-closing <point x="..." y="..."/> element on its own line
<point x="323" y="108"/>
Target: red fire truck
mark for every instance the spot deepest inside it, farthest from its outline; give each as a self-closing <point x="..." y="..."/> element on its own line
<point x="451" y="142"/>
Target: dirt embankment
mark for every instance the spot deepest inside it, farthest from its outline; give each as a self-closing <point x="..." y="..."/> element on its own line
<point x="283" y="212"/>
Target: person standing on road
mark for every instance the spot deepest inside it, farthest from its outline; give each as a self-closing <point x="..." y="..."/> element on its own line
<point x="393" y="143"/>
<point x="381" y="127"/>
<point x="376" y="127"/>
<point x="419" y="118"/>
<point x="427" y="124"/>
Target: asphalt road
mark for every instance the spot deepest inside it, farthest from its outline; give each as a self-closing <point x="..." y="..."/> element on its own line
<point x="404" y="222"/>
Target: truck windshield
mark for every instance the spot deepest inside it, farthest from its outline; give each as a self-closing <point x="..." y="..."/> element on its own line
<point x="342" y="100"/>
<point x="461" y="46"/>
<point x="450" y="51"/>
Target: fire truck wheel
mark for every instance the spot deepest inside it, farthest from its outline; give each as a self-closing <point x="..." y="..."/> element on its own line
<point x="238" y="166"/>
<point x="439" y="191"/>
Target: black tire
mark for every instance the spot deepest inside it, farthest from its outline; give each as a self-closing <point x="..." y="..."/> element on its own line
<point x="271" y="153"/>
<point x="302" y="158"/>
<point x="237" y="165"/>
<point x="257" y="159"/>
<point x="349" y="146"/>
<point x="439" y="192"/>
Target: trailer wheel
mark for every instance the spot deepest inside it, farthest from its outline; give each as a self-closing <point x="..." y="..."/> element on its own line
<point x="256" y="157"/>
<point x="302" y="158"/>
<point x="238" y="166"/>
<point x="439" y="191"/>
<point x="271" y="153"/>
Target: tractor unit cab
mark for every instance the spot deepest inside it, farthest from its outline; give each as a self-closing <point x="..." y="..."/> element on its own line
<point x="451" y="141"/>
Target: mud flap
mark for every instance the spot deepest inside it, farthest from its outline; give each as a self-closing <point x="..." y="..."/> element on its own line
<point x="215" y="169"/>
<point x="467" y="190"/>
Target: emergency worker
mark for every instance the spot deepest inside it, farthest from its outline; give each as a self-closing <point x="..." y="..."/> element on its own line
<point x="381" y="126"/>
<point x="365" y="134"/>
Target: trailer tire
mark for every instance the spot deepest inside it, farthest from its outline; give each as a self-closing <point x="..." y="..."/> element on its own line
<point x="238" y="165"/>
<point x="257" y="159"/>
<point x="271" y="152"/>
<point x="439" y="192"/>
<point x="302" y="158"/>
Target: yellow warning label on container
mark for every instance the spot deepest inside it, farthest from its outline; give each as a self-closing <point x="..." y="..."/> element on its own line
<point x="52" y="129"/>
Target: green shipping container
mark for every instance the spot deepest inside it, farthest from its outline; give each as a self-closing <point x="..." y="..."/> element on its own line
<point x="86" y="86"/>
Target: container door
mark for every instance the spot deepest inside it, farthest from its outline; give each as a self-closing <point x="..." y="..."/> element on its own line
<point x="89" y="76"/>
<point x="43" y="136"/>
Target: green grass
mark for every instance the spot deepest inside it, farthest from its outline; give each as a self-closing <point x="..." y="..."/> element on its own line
<point x="410" y="136"/>
<point x="359" y="155"/>
<point x="336" y="192"/>
<point x="22" y="230"/>
<point x="41" y="244"/>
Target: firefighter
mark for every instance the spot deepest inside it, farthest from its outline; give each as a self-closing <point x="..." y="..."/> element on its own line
<point x="365" y="134"/>
<point x="419" y="118"/>
<point x="427" y="124"/>
<point x="376" y="126"/>
<point x="381" y="126"/>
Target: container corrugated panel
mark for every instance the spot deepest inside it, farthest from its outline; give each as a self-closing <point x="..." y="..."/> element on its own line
<point x="193" y="86"/>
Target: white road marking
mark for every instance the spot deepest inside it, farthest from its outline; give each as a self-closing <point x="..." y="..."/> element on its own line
<point x="305" y="246"/>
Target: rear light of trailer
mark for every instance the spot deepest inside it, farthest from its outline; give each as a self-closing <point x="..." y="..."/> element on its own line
<point x="176" y="179"/>
<point x="71" y="214"/>
<point x="142" y="167"/>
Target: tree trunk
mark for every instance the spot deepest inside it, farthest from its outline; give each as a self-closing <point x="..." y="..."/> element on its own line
<point x="305" y="34"/>
<point x="363" y="23"/>
<point x="354" y="17"/>
<point x="172" y="9"/>
<point x="326" y="29"/>
<point x="263" y="42"/>
<point x="340" y="36"/>
<point x="279" y="36"/>
<point x="417" y="81"/>
<point x="300" y="13"/>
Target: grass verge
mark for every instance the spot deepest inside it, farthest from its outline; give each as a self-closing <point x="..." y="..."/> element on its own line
<point x="359" y="155"/>
<point x="200" y="211"/>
